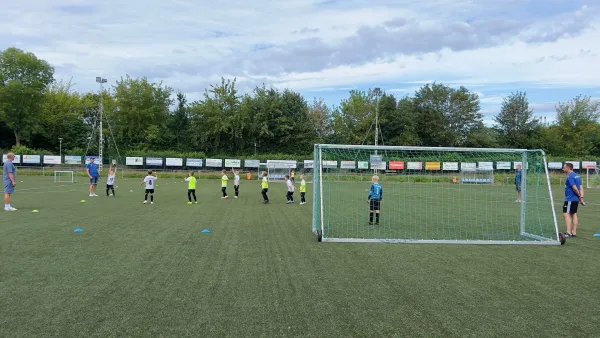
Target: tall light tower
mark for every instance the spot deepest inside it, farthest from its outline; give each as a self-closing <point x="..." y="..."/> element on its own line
<point x="100" y="80"/>
<point x="377" y="91"/>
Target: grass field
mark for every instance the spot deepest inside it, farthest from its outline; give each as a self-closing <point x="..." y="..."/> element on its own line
<point x="437" y="211"/>
<point x="148" y="270"/>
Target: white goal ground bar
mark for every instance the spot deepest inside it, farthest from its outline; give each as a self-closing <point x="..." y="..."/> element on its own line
<point x="445" y="241"/>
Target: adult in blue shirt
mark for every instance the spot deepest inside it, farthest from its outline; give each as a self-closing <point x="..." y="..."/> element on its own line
<point x="573" y="195"/>
<point x="518" y="183"/>
<point x="9" y="178"/>
<point x="94" y="174"/>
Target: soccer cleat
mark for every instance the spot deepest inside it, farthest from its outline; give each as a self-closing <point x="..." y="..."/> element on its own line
<point x="95" y="195"/>
<point x="189" y="203"/>
<point x="235" y="197"/>
<point x="151" y="202"/>
<point x="145" y="202"/>
<point x="196" y="202"/>
<point x="91" y="195"/>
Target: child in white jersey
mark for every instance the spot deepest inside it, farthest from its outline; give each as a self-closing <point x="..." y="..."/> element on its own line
<point x="110" y="181"/>
<point x="150" y="182"/>
<point x="290" y="189"/>
<point x="236" y="182"/>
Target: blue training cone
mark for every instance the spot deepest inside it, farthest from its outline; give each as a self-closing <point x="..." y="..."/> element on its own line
<point x="596" y="235"/>
<point x="78" y="230"/>
<point x="206" y="231"/>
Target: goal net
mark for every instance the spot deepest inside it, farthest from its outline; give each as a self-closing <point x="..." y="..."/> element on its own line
<point x="477" y="176"/>
<point x="421" y="201"/>
<point x="62" y="176"/>
<point x="278" y="169"/>
<point x="592" y="177"/>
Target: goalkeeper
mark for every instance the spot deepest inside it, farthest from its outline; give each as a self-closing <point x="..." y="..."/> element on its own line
<point x="375" y="198"/>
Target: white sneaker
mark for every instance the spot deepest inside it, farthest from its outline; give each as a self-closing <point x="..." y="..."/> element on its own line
<point x="12" y="209"/>
<point x="151" y="202"/>
<point x="9" y="209"/>
<point x="95" y="195"/>
<point x="91" y="195"/>
<point x="145" y="202"/>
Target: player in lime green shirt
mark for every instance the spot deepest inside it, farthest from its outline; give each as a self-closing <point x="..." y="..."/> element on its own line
<point x="302" y="190"/>
<point x="224" y="182"/>
<point x="191" y="188"/>
<point x="265" y="187"/>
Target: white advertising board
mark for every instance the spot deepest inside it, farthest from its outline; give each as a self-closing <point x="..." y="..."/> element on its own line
<point x="214" y="162"/>
<point x="31" y="159"/>
<point x="174" y="162"/>
<point x="17" y="159"/>
<point x="134" y="161"/>
<point x="72" y="159"/>
<point x="51" y="159"/>
<point x="193" y="162"/>
<point x="232" y="163"/>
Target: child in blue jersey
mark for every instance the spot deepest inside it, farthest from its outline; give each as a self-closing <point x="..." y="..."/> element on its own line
<point x="518" y="183"/>
<point x="375" y="198"/>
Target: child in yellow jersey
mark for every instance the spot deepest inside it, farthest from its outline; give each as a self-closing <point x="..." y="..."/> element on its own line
<point x="302" y="190"/>
<point x="293" y="177"/>
<point x="265" y="187"/>
<point x="191" y="187"/>
<point x="224" y="181"/>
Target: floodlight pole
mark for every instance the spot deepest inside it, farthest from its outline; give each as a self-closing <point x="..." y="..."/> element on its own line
<point x="60" y="148"/>
<point x="376" y="91"/>
<point x="100" y="80"/>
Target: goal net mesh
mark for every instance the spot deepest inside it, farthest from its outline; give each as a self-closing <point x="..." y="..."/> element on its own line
<point x="592" y="177"/>
<point x="424" y="200"/>
<point x="65" y="177"/>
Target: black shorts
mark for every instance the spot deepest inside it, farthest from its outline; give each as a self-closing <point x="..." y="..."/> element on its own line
<point x="109" y="186"/>
<point x="518" y="187"/>
<point x="375" y="205"/>
<point x="570" y="207"/>
<point x="191" y="190"/>
<point x="149" y="191"/>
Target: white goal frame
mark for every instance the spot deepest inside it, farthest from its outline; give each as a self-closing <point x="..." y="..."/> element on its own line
<point x="73" y="176"/>
<point x="318" y="226"/>
<point x="471" y="176"/>
<point x="592" y="175"/>
<point x="277" y="169"/>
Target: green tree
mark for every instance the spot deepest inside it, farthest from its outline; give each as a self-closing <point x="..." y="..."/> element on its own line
<point x="319" y="115"/>
<point x="61" y="116"/>
<point x="354" y="121"/>
<point x="23" y="81"/>
<point x="577" y="126"/>
<point x="516" y="125"/>
<point x="446" y="116"/>
<point x="141" y="113"/>
<point x="180" y="123"/>
<point x="218" y="125"/>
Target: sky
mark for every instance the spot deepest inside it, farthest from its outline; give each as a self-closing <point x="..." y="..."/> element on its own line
<point x="321" y="48"/>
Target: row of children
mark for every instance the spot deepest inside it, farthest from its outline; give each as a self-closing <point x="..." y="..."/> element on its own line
<point x="291" y="188"/>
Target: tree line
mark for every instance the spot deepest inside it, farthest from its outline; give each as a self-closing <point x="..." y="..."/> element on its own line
<point x="36" y="110"/>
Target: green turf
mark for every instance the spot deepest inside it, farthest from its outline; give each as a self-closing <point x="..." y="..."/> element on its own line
<point x="147" y="270"/>
<point x="437" y="211"/>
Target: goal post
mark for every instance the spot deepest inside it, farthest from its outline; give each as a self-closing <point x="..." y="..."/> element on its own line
<point x="592" y="177"/>
<point x="422" y="202"/>
<point x="65" y="176"/>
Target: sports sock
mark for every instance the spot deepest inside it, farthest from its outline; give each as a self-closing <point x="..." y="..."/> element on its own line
<point x="152" y="198"/>
<point x="377" y="217"/>
<point x="146" y="197"/>
<point x="371" y="217"/>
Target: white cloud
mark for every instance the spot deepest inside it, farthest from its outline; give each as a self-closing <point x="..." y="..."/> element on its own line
<point x="314" y="46"/>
